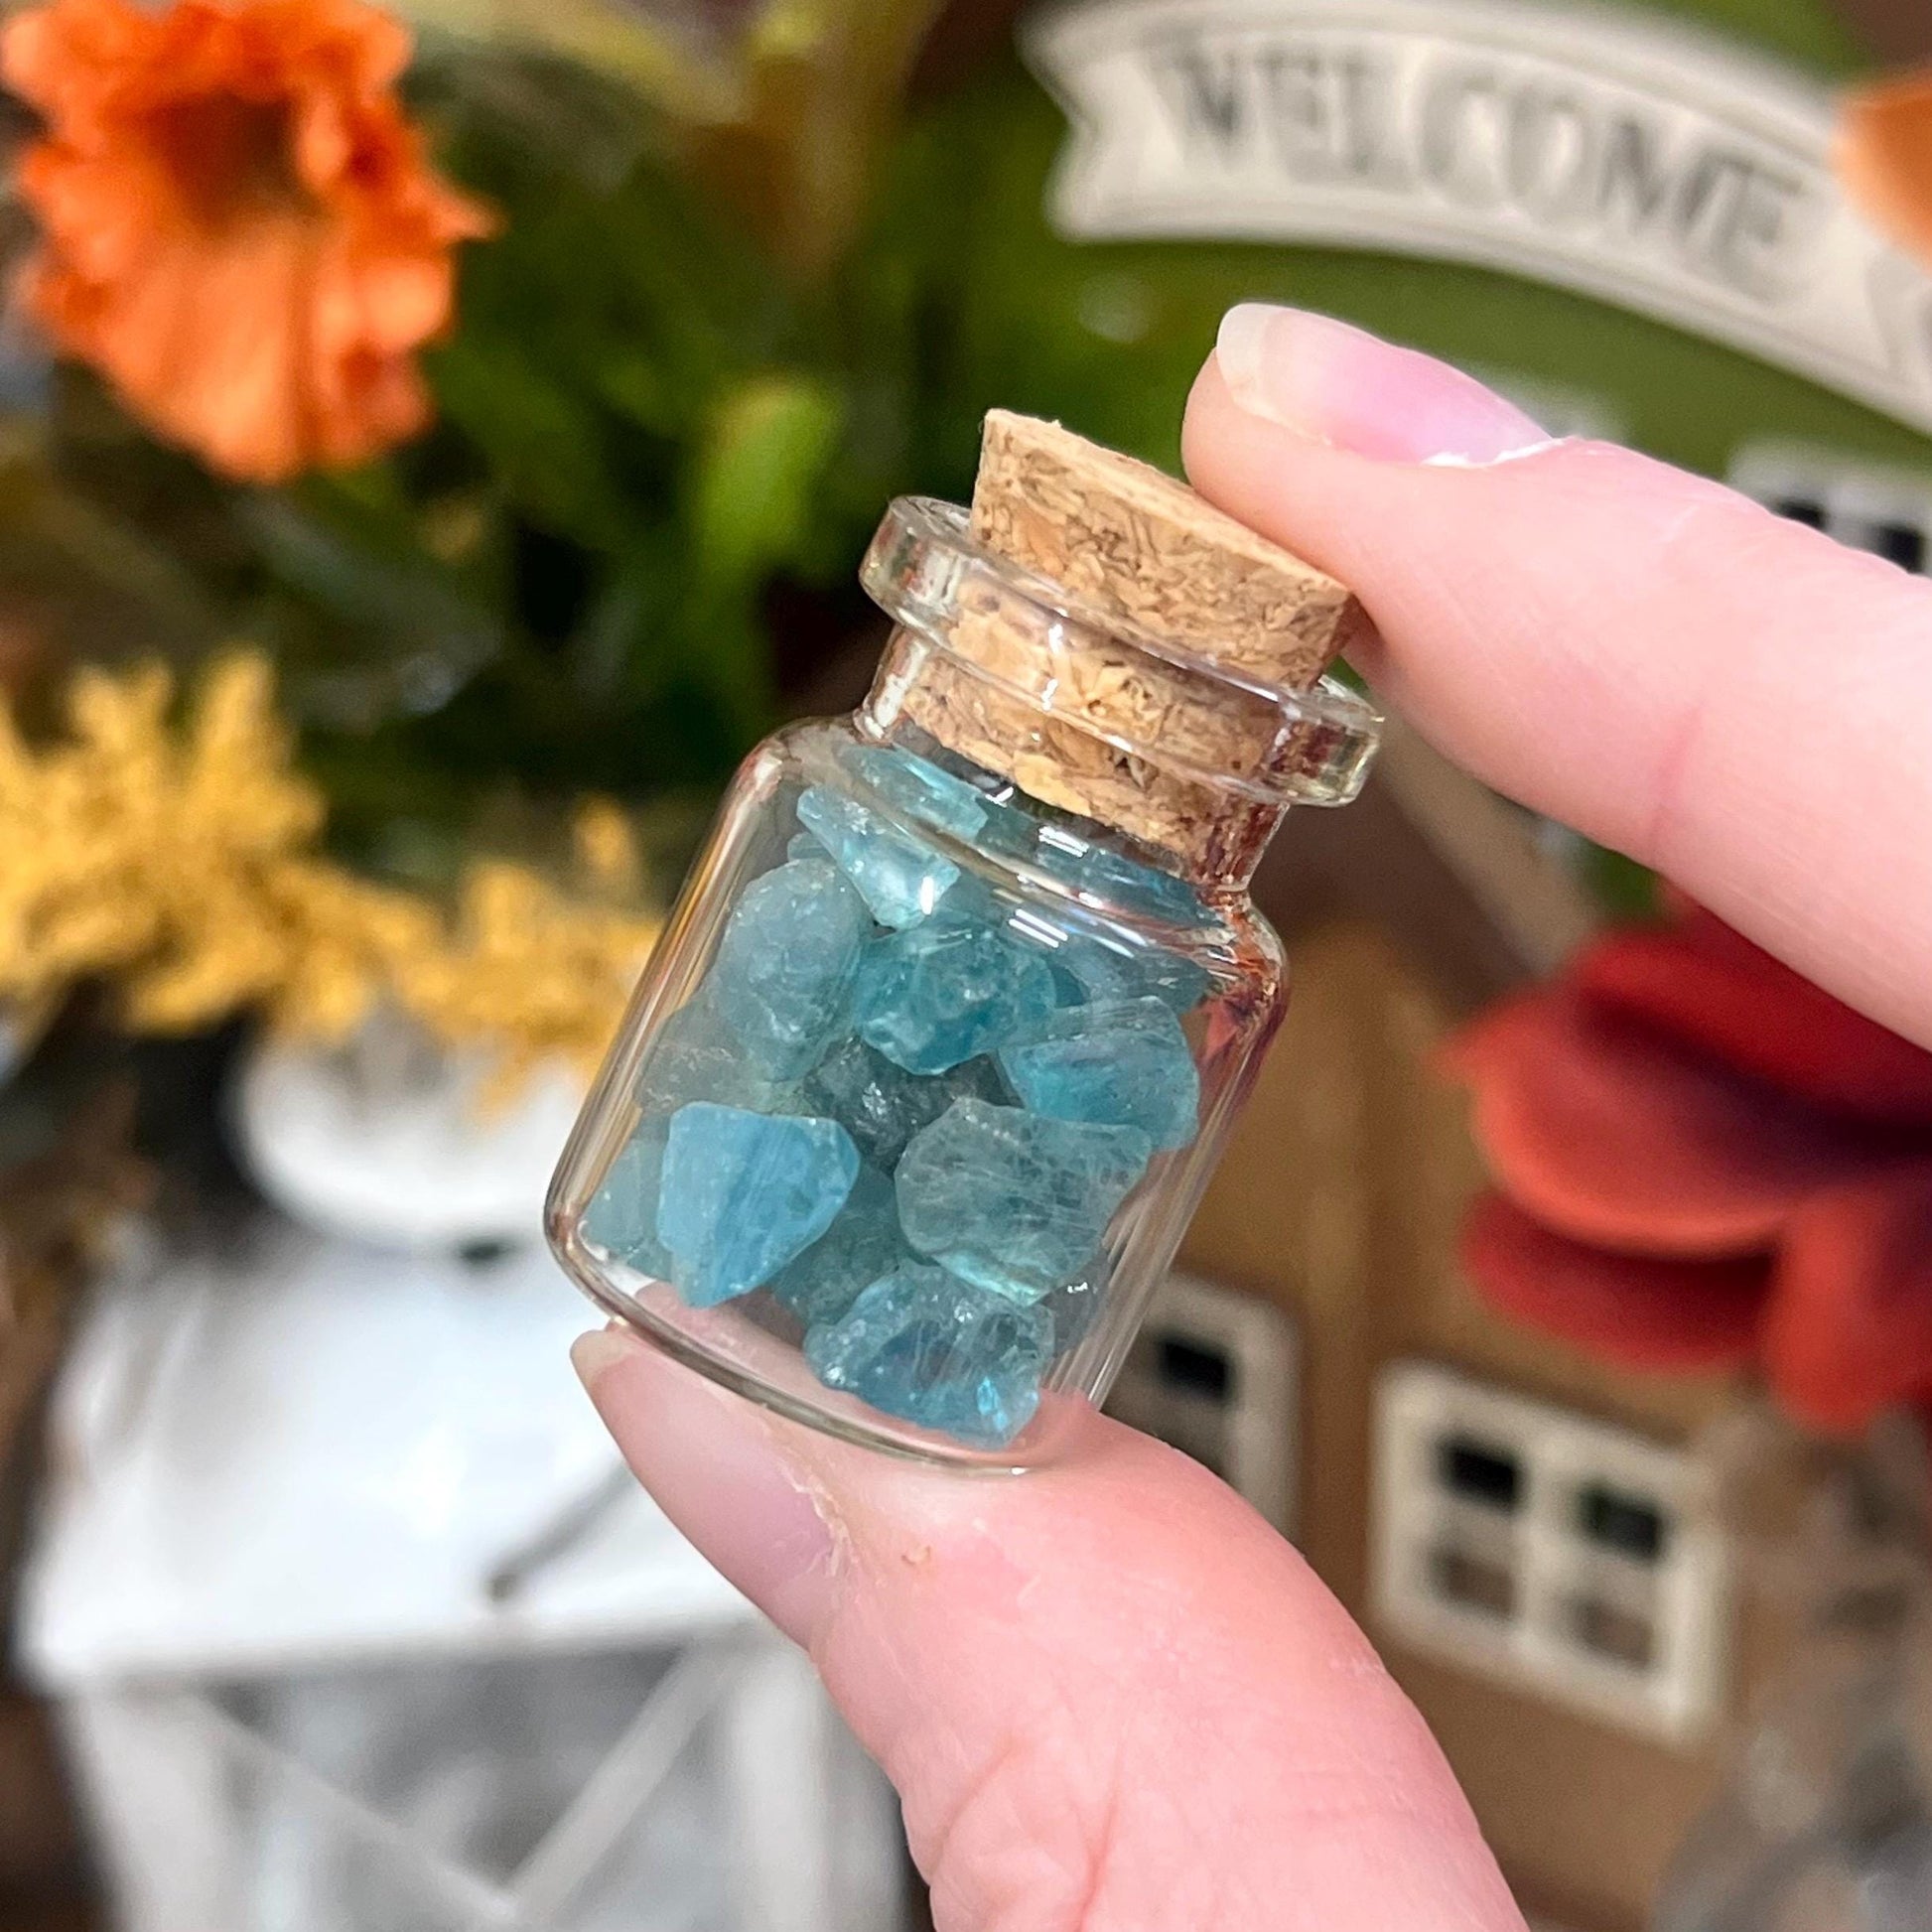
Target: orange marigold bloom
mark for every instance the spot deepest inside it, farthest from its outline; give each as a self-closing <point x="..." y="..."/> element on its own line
<point x="1884" y="156"/>
<point x="239" y="230"/>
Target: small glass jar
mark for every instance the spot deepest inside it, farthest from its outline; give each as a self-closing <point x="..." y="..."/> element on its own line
<point x="926" y="1075"/>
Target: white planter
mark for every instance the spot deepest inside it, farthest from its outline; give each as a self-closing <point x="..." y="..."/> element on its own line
<point x="391" y="1139"/>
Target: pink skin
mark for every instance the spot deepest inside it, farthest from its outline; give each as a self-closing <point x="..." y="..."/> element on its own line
<point x="1645" y="655"/>
<point x="1111" y="1699"/>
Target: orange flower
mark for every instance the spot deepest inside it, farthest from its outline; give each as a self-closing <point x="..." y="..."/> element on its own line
<point x="1885" y="157"/>
<point x="238" y="227"/>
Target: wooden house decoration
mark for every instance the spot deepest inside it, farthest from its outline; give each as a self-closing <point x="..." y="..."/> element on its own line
<point x="1524" y="1533"/>
<point x="1527" y="1534"/>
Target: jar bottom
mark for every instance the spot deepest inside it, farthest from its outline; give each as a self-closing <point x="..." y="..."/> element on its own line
<point x="733" y="1352"/>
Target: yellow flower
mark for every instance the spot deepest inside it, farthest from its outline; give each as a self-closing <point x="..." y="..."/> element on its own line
<point x="181" y="865"/>
<point x="530" y="972"/>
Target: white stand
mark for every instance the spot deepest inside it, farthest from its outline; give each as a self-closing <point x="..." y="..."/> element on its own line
<point x="284" y="1485"/>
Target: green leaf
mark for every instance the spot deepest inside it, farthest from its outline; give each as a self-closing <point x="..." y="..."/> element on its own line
<point x="365" y="622"/>
<point x="756" y="477"/>
<point x="543" y="443"/>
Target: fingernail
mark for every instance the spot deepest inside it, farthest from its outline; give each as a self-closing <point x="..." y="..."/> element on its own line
<point x="1340" y="385"/>
<point x="714" y="1462"/>
<point x="602" y="1348"/>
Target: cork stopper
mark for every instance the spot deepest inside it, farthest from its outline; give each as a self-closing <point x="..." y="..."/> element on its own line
<point x="1133" y="668"/>
<point x="1131" y="542"/>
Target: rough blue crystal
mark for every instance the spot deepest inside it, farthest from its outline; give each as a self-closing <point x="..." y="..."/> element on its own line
<point x="881" y="1105"/>
<point x="919" y="788"/>
<point x="924" y="1345"/>
<point x="697" y="1054"/>
<point x="1088" y="969"/>
<point x="1123" y="883"/>
<point x="1068" y="990"/>
<point x="1075" y="1304"/>
<point x="1008" y="830"/>
<point x="925" y="791"/>
<point x="899" y="877"/>
<point x="782" y="977"/>
<point x="741" y="1194"/>
<point x="863" y="1243"/>
<point x="1013" y="1201"/>
<point x="946" y="990"/>
<point x="621" y="1218"/>
<point x="1123" y="1065"/>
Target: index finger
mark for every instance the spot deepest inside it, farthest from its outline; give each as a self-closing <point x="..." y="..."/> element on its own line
<point x="1727" y="697"/>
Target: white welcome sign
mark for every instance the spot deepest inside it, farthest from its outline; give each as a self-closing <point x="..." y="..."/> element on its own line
<point x="1625" y="157"/>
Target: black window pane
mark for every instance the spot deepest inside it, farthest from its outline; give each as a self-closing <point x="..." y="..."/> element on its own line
<point x="1801" y="509"/>
<point x="1472" y="1582"/>
<point x="1902" y="543"/>
<point x="1197" y="1367"/>
<point x="1479" y="1471"/>
<point x="1630" y="1524"/>
<point x="1621" y="1635"/>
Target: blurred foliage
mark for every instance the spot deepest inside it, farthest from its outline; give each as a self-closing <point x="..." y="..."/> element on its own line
<point x="780" y="108"/>
<point x="737" y="300"/>
<point x="662" y="398"/>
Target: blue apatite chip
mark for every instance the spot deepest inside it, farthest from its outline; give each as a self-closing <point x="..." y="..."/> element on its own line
<point x="1068" y="990"/>
<point x="741" y="1194"/>
<point x="947" y="990"/>
<point x="1123" y="1065"/>
<point x="863" y="1243"/>
<point x="881" y="1105"/>
<point x="926" y="1347"/>
<point x="1075" y="1304"/>
<point x="924" y="791"/>
<point x="1087" y="969"/>
<point x="1128" y="885"/>
<point x="1013" y="1201"/>
<point x="621" y="1218"/>
<point x="899" y="877"/>
<point x="782" y="978"/>
<point x="697" y="1054"/>
<point x="919" y="788"/>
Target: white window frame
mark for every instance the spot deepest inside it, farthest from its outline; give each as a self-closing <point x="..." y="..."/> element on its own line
<point x="1261" y="1424"/>
<point x="1684" y="1594"/>
<point x="1855" y="496"/>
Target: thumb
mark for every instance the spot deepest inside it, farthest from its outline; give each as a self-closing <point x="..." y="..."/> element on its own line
<point x="1108" y="1693"/>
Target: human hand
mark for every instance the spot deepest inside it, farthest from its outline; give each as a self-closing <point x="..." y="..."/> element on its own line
<point x="1728" y="697"/>
<point x="1109" y="1695"/>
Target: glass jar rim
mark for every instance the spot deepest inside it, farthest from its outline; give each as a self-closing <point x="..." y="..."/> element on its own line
<point x="924" y="570"/>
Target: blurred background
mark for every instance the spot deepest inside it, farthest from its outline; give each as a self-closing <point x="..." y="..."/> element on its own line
<point x="436" y="441"/>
